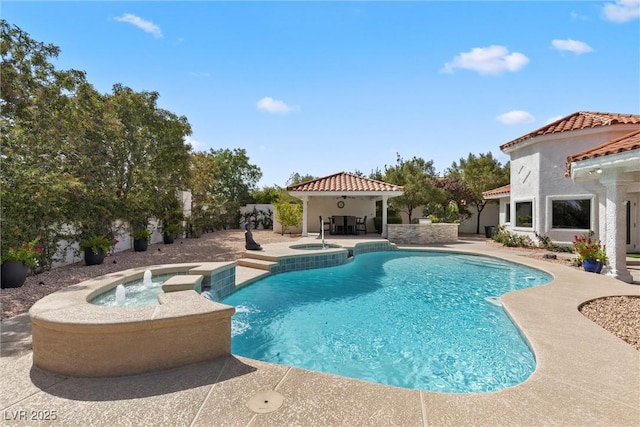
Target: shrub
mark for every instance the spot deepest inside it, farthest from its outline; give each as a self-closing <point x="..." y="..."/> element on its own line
<point x="28" y="253"/>
<point x="512" y="240"/>
<point x="589" y="248"/>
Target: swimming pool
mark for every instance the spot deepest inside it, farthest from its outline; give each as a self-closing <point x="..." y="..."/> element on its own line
<point x="419" y="320"/>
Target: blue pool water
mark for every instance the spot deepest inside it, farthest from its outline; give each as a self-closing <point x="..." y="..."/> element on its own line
<point x="419" y="320"/>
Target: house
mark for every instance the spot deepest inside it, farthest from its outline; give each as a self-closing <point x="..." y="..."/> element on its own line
<point x="578" y="174"/>
<point x="343" y="194"/>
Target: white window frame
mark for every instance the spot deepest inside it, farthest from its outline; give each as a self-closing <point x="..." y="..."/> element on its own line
<point x="514" y="220"/>
<point x="549" y="212"/>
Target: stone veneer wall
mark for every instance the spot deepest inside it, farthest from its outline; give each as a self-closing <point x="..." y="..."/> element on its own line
<point x="420" y="234"/>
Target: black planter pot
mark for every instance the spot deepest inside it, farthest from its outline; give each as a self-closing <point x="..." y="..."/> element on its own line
<point x="167" y="239"/>
<point x="140" y="245"/>
<point x="13" y="274"/>
<point x="93" y="259"/>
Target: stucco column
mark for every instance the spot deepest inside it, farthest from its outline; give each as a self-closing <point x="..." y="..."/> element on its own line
<point x="305" y="201"/>
<point x="384" y="216"/>
<point x="615" y="239"/>
<point x="601" y="192"/>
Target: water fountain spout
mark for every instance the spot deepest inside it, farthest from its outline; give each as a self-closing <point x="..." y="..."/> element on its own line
<point x="146" y="279"/>
<point x="121" y="294"/>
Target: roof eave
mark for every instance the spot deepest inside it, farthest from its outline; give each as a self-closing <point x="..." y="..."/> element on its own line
<point x="589" y="169"/>
<point x="496" y="196"/>
<point x="300" y="194"/>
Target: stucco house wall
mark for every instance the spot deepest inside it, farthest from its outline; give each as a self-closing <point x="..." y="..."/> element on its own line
<point x="537" y="175"/>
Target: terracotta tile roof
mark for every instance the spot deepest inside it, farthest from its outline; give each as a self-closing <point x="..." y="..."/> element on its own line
<point x="628" y="142"/>
<point x="504" y="190"/>
<point x="344" y="182"/>
<point x="577" y="121"/>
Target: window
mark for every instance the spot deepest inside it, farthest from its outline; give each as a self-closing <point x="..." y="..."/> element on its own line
<point x="507" y="212"/>
<point x="524" y="214"/>
<point x="571" y="214"/>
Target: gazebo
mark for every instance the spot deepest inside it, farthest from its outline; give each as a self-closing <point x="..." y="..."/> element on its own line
<point x="343" y="194"/>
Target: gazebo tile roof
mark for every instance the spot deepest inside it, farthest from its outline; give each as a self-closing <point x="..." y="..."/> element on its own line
<point x="577" y="121"/>
<point x="344" y="182"/>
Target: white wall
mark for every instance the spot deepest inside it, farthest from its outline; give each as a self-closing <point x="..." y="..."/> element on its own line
<point x="537" y="175"/>
<point x="68" y="252"/>
<point x="264" y="207"/>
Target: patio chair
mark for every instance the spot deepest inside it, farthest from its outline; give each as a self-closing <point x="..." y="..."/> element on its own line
<point x="326" y="225"/>
<point x="361" y="225"/>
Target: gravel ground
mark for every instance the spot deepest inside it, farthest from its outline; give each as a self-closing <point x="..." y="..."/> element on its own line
<point x="619" y="315"/>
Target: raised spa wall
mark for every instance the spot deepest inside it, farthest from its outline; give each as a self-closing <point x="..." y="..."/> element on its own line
<point x="422" y="234"/>
<point x="73" y="337"/>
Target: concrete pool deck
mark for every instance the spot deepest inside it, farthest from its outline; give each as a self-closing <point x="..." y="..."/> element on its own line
<point x="584" y="376"/>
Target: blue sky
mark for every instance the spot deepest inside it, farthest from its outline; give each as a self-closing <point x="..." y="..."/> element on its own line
<point x="324" y="87"/>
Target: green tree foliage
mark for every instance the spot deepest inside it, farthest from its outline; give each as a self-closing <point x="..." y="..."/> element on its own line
<point x="418" y="177"/>
<point x="288" y="215"/>
<point x="222" y="181"/>
<point x="267" y="195"/>
<point x="36" y="181"/>
<point x="480" y="173"/>
<point x="296" y="179"/>
<point x="72" y="156"/>
<point x="456" y="193"/>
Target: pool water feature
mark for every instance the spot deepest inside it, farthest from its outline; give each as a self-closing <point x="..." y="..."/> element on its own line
<point x="138" y="293"/>
<point x="419" y="320"/>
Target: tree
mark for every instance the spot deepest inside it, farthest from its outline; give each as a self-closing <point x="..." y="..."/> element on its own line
<point x="222" y="181"/>
<point x="456" y="193"/>
<point x="417" y="176"/>
<point x="289" y="215"/>
<point x="74" y="157"/>
<point x="36" y="181"/>
<point x="296" y="179"/>
<point x="267" y="195"/>
<point x="479" y="174"/>
<point x="235" y="176"/>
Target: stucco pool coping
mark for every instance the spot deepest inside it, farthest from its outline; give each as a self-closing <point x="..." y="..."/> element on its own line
<point x="584" y="376"/>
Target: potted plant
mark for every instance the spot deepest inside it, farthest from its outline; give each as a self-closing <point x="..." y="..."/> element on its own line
<point x="18" y="262"/>
<point x="96" y="247"/>
<point x="141" y="239"/>
<point x="591" y="253"/>
<point x="169" y="232"/>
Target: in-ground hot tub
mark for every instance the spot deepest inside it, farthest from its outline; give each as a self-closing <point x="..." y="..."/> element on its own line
<point x="73" y="337"/>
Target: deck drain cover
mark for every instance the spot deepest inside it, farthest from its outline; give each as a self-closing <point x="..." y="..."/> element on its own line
<point x="265" y="401"/>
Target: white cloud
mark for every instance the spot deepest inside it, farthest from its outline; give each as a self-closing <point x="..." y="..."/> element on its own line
<point x="195" y="145"/>
<point x="515" y="117"/>
<point x="487" y="60"/>
<point x="577" y="17"/>
<point x="622" y="10"/>
<point x="199" y="74"/>
<point x="271" y="105"/>
<point x="569" y="45"/>
<point x="144" y="25"/>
